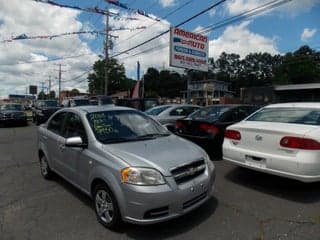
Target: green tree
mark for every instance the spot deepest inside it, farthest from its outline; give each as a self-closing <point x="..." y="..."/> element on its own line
<point x="151" y="82"/>
<point x="163" y="84"/>
<point x="42" y="95"/>
<point x="75" y="91"/>
<point x="52" y="94"/>
<point x="301" y="66"/>
<point x="117" y="80"/>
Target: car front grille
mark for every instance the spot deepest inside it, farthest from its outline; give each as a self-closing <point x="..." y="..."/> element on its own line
<point x="189" y="171"/>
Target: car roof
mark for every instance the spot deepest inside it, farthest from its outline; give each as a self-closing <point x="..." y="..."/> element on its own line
<point x="95" y="108"/>
<point x="295" y="105"/>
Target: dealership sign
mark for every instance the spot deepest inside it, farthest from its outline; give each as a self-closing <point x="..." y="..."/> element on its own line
<point x="188" y="50"/>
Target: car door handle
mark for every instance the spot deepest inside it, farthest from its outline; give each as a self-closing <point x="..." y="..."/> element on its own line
<point x="62" y="146"/>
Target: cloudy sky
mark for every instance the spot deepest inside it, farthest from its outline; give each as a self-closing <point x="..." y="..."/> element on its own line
<point x="32" y="62"/>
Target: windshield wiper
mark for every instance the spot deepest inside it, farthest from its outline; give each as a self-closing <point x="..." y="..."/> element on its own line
<point x="117" y="140"/>
<point x="153" y="135"/>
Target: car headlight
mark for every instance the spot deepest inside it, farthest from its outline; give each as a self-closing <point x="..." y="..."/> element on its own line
<point x="141" y="176"/>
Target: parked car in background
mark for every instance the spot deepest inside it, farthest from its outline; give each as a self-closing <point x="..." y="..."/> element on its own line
<point x="43" y="109"/>
<point x="141" y="104"/>
<point x="280" y="139"/>
<point x="75" y="102"/>
<point x="134" y="169"/>
<point x="207" y="125"/>
<point x="100" y="100"/>
<point x="12" y="113"/>
<point x="168" y="114"/>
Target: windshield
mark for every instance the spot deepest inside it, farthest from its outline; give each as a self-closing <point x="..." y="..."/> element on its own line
<point x="288" y="115"/>
<point x="116" y="126"/>
<point x="210" y="112"/>
<point x="50" y="103"/>
<point x="150" y="103"/>
<point x="156" y="110"/>
<point x="13" y="107"/>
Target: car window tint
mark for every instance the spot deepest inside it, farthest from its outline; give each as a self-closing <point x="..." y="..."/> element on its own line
<point x="180" y="111"/>
<point x="122" y="124"/>
<point x="55" y="124"/>
<point x="288" y="115"/>
<point x="74" y="127"/>
<point x="212" y="112"/>
<point x="156" y="110"/>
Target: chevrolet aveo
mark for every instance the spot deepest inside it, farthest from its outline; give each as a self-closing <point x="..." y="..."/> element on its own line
<point x="132" y="167"/>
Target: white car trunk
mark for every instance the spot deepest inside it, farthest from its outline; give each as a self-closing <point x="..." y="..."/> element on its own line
<point x="265" y="136"/>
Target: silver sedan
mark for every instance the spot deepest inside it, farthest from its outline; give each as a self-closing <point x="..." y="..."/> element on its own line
<point x="132" y="167"/>
<point x="167" y="115"/>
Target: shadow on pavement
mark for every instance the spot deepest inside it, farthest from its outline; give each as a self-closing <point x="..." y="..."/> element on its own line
<point x="273" y="185"/>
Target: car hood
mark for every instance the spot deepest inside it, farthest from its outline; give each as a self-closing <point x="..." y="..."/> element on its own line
<point x="162" y="153"/>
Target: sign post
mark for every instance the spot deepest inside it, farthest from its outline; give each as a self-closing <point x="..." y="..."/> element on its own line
<point x="188" y="50"/>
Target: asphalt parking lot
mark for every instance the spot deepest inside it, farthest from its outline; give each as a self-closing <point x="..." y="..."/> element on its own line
<point x="245" y="205"/>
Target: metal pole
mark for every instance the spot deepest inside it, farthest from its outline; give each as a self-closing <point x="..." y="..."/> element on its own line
<point x="188" y="88"/>
<point x="106" y="80"/>
<point x="59" y="84"/>
<point x="49" y="84"/>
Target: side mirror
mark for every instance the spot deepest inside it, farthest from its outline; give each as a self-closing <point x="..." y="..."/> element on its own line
<point x="75" y="142"/>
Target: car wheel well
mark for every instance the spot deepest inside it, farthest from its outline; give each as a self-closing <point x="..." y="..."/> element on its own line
<point x="40" y="154"/>
<point x="96" y="182"/>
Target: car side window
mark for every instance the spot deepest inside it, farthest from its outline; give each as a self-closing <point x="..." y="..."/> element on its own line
<point x="56" y="123"/>
<point x="74" y="127"/>
<point x="179" y="111"/>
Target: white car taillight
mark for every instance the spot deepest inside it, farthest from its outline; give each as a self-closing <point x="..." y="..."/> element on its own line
<point x="232" y="134"/>
<point x="299" y="143"/>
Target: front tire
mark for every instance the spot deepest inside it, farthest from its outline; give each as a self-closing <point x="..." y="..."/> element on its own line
<point x="45" y="170"/>
<point x="106" y="207"/>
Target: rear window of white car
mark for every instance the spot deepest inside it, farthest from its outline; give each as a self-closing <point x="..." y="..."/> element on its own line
<point x="288" y="115"/>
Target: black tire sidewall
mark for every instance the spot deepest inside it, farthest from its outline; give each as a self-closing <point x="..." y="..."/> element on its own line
<point x="49" y="171"/>
<point x="116" y="221"/>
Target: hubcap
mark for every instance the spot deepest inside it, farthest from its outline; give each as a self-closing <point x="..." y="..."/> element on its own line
<point x="44" y="166"/>
<point x="104" y="206"/>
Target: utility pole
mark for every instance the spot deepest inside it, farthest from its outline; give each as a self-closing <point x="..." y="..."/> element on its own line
<point x="49" y="87"/>
<point x="59" y="83"/>
<point x="42" y="86"/>
<point x="106" y="80"/>
<point x="60" y="71"/>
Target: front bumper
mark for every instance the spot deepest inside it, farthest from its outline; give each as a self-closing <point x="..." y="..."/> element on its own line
<point x="13" y="120"/>
<point x="152" y="204"/>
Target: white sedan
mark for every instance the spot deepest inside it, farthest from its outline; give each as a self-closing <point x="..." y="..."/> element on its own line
<point x="280" y="139"/>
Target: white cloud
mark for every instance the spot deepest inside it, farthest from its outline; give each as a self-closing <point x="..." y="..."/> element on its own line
<point x="32" y="19"/>
<point x="212" y="12"/>
<point x="293" y="7"/>
<point x="167" y="3"/>
<point x="158" y="57"/>
<point x="238" y="39"/>
<point x="307" y="34"/>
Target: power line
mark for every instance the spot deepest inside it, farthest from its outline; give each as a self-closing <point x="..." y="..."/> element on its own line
<point x="223" y="23"/>
<point x="244" y="15"/>
<point x="164" y="17"/>
<point x="165" y="32"/>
